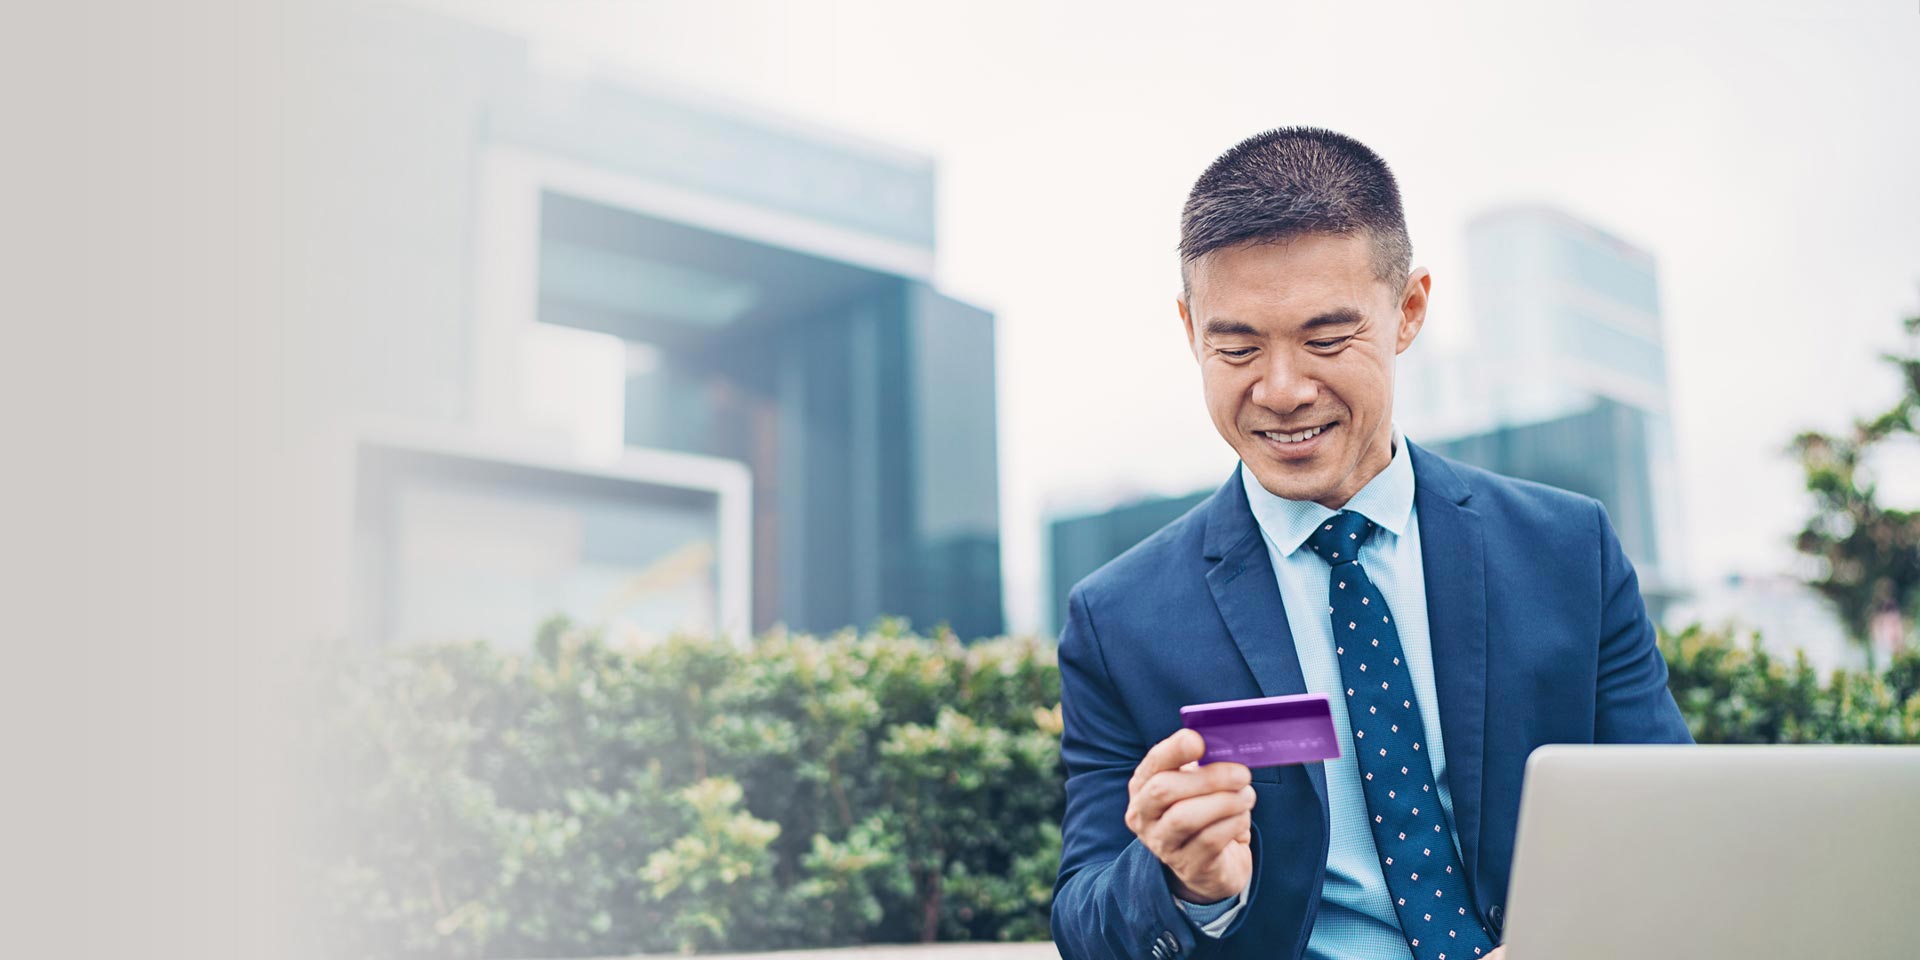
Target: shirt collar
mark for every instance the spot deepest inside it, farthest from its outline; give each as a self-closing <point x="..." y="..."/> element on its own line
<point x="1387" y="500"/>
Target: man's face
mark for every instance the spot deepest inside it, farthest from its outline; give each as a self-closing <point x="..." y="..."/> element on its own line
<point x="1301" y="336"/>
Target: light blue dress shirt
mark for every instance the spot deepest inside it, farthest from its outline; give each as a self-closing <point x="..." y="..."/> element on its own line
<point x="1356" y="917"/>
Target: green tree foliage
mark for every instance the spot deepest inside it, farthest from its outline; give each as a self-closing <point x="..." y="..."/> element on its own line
<point x="692" y="796"/>
<point x="1869" y="553"/>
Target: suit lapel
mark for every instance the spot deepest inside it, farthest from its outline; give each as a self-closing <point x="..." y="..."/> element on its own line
<point x="1245" y="590"/>
<point x="1453" y="553"/>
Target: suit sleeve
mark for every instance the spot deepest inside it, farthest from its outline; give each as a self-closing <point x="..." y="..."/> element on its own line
<point x="1632" y="704"/>
<point x="1213" y="919"/>
<point x="1113" y="898"/>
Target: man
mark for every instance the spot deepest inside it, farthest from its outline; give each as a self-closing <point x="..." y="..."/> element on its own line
<point x="1456" y="618"/>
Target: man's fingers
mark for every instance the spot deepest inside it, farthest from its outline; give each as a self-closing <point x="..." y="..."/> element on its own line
<point x="1168" y="787"/>
<point x="1183" y="821"/>
<point x="1209" y="840"/>
<point x="1170" y="754"/>
<point x="1170" y="774"/>
<point x="1206" y="843"/>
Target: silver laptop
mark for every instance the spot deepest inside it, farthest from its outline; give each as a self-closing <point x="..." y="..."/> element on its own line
<point x="1710" y="852"/>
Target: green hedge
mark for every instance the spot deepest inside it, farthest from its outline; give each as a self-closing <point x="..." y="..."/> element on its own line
<point x="1734" y="692"/>
<point x="692" y="796"/>
<point x="582" y="800"/>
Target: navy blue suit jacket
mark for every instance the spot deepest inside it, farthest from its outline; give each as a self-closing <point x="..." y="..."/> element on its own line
<point x="1193" y="614"/>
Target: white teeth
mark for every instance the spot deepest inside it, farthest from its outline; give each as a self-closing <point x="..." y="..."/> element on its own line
<point x="1293" y="437"/>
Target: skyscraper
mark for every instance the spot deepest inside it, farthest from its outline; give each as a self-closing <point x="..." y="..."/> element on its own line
<point x="1565" y="379"/>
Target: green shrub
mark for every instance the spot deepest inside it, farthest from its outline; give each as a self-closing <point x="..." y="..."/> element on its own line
<point x="881" y="787"/>
<point x="585" y="800"/>
<point x="1734" y="693"/>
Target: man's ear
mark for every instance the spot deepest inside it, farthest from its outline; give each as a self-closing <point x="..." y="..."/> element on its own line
<point x="1186" y="318"/>
<point x="1413" y="308"/>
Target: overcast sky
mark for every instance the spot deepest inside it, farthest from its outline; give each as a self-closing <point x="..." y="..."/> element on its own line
<point x="1763" y="152"/>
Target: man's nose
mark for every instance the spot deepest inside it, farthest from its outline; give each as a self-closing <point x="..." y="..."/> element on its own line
<point x="1284" y="385"/>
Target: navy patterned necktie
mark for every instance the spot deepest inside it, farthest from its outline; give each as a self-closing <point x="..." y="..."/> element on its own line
<point x="1411" y="833"/>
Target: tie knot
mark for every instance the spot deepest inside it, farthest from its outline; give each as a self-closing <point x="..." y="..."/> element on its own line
<point x="1338" y="538"/>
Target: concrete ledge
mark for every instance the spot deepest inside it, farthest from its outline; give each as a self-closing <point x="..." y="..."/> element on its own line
<point x="1027" y="950"/>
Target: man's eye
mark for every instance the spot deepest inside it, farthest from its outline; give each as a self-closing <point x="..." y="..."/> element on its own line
<point x="1325" y="344"/>
<point x="1238" y="353"/>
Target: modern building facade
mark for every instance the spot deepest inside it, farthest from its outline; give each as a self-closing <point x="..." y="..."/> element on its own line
<point x="688" y="369"/>
<point x="1565" y="381"/>
<point x="1079" y="544"/>
<point x="1562" y="313"/>
<point x="1601" y="451"/>
<point x="1788" y="616"/>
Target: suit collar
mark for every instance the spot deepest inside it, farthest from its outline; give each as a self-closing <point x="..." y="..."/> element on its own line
<point x="1230" y="516"/>
<point x="1387" y="500"/>
<point x="1433" y="475"/>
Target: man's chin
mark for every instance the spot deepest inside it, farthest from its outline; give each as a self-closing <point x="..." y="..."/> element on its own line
<point x="1292" y="487"/>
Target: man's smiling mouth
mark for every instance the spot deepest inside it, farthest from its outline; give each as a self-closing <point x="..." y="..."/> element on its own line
<point x="1307" y="434"/>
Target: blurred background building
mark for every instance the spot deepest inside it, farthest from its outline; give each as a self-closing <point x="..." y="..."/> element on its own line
<point x="660" y="363"/>
<point x="654" y="362"/>
<point x="1788" y="616"/>
<point x="1079" y="542"/>
<point x="1565" y="382"/>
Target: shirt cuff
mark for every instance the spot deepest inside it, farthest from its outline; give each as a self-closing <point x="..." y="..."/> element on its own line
<point x="1213" y="919"/>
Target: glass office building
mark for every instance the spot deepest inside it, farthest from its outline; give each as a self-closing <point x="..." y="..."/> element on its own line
<point x="1079" y="544"/>
<point x="688" y="371"/>
<point x="1601" y="451"/>
<point x="861" y="402"/>
<point x="1565" y="379"/>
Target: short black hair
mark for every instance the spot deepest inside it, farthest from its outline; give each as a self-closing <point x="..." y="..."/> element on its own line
<point x="1277" y="185"/>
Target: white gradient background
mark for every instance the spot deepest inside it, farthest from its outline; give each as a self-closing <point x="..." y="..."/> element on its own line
<point x="164" y="365"/>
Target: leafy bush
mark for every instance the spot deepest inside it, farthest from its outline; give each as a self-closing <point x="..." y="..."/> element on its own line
<point x="878" y="787"/>
<point x="583" y="800"/>
<point x="1734" y="693"/>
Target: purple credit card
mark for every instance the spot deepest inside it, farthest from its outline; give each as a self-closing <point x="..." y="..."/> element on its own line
<point x="1265" y="731"/>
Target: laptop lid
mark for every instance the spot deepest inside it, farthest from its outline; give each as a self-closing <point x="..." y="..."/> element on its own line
<point x="1705" y="852"/>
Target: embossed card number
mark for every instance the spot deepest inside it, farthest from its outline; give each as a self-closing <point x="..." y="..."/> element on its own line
<point x="1265" y="731"/>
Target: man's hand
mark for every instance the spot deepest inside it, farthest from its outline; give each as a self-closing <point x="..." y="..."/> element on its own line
<point x="1499" y="953"/>
<point x="1196" y="820"/>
